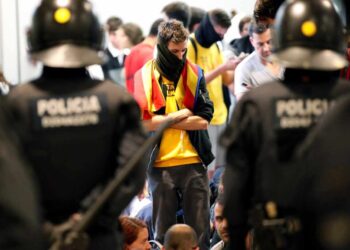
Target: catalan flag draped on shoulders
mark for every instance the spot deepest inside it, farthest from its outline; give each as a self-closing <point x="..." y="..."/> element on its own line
<point x="187" y="93"/>
<point x="149" y="95"/>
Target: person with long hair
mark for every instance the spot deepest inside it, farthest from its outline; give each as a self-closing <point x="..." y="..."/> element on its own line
<point x="135" y="234"/>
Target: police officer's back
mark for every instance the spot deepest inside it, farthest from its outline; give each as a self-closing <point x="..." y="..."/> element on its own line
<point x="325" y="180"/>
<point x="271" y="121"/>
<point x="75" y="131"/>
<point x="325" y="173"/>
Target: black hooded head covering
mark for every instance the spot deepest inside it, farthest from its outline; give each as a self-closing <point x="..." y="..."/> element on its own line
<point x="205" y="34"/>
<point x="168" y="64"/>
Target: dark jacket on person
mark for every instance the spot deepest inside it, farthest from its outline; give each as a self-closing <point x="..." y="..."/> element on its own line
<point x="199" y="138"/>
<point x="324" y="179"/>
<point x="242" y="44"/>
<point x="111" y="66"/>
<point x="269" y="123"/>
<point x="77" y="134"/>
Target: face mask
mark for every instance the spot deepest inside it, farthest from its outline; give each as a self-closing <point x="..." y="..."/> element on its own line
<point x="168" y="64"/>
<point x="205" y="34"/>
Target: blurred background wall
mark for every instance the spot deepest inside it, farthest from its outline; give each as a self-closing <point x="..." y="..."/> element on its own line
<point x="15" y="18"/>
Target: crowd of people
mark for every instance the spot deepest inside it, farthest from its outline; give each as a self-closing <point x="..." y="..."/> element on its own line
<point x="242" y="161"/>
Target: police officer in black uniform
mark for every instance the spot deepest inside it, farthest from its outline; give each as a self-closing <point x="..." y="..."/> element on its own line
<point x="325" y="178"/>
<point x="77" y="133"/>
<point x="271" y="121"/>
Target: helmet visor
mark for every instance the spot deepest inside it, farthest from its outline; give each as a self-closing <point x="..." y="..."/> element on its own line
<point x="312" y="59"/>
<point x="68" y="56"/>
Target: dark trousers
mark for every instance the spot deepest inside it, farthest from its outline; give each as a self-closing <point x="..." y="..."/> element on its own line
<point x="192" y="183"/>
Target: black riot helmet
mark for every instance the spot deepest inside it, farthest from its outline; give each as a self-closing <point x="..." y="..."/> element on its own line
<point x="343" y="8"/>
<point x="65" y="34"/>
<point x="309" y="35"/>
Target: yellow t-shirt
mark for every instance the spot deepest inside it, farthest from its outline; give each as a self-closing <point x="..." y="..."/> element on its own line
<point x="209" y="59"/>
<point x="175" y="147"/>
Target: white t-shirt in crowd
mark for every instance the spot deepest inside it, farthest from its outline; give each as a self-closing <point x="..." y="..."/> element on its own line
<point x="251" y="73"/>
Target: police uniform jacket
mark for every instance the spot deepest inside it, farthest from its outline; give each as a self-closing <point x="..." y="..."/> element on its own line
<point x="325" y="180"/>
<point x="268" y="124"/>
<point x="77" y="133"/>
